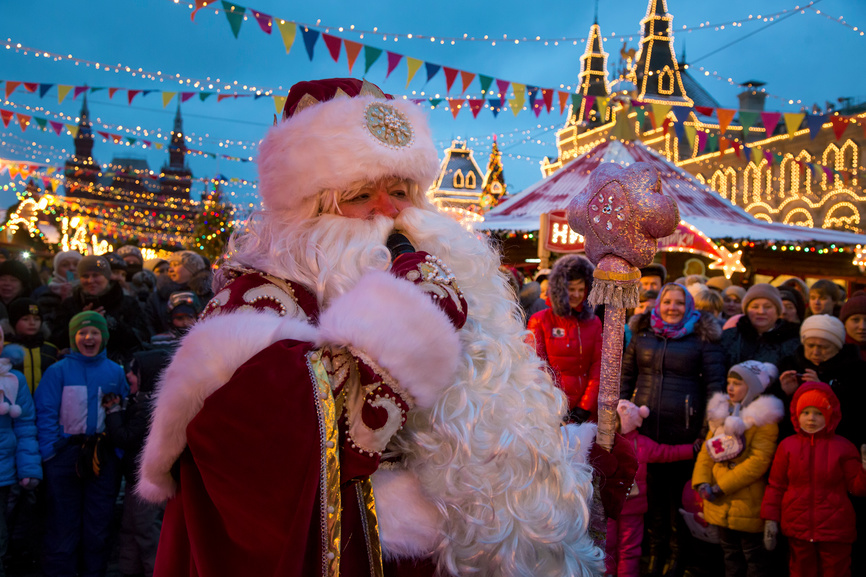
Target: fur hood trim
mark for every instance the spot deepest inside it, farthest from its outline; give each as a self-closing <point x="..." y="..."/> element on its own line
<point x="707" y="328"/>
<point x="579" y="440"/>
<point x="764" y="410"/>
<point x="198" y="369"/>
<point x="410" y="524"/>
<point x="568" y="268"/>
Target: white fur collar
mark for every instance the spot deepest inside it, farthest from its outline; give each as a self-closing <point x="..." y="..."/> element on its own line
<point x="764" y="410"/>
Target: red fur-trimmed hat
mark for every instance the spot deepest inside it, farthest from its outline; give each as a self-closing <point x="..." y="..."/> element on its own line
<point x="340" y="131"/>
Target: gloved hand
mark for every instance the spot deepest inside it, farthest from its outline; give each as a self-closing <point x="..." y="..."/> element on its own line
<point x="771" y="532"/>
<point x="708" y="492"/>
<point x="578" y="415"/>
<point x="29" y="483"/>
<point x="697" y="446"/>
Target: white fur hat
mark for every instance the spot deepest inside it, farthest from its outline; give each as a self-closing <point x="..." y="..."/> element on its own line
<point x="826" y="327"/>
<point x="338" y="132"/>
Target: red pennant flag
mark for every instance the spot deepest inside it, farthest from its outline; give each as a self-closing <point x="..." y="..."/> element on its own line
<point x="104" y="135"/>
<point x="221" y="97"/>
<point x="111" y="92"/>
<point x="352" y="51"/>
<point x="57" y="126"/>
<point x="10" y="87"/>
<point x="466" y="78"/>
<point x="723" y="145"/>
<point x="31" y="86"/>
<point x="547" y="96"/>
<point x="725" y="116"/>
<point x="455" y="104"/>
<point x="840" y="123"/>
<point x="132" y="94"/>
<point x="705" y="110"/>
<point x="475" y="106"/>
<point x="770" y="120"/>
<point x="666" y="125"/>
<point x="563" y="100"/>
<point x="333" y="43"/>
<point x="266" y="23"/>
<point x="78" y="91"/>
<point x="737" y="146"/>
<point x="450" y="76"/>
<point x="7" y="117"/>
<point x="184" y="96"/>
<point x="116" y="138"/>
<point x="199" y="4"/>
<point x="393" y="60"/>
<point x="23" y="121"/>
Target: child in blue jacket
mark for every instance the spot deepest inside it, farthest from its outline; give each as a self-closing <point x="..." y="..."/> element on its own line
<point x="19" y="454"/>
<point x="82" y="471"/>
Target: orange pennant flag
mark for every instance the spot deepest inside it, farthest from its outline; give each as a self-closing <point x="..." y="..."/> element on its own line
<point x="455" y="105"/>
<point x="352" y="51"/>
<point x="23" y="121"/>
<point x="62" y="91"/>
<point x="10" y="88"/>
<point x="725" y="115"/>
<point x="563" y="100"/>
<point x="723" y="145"/>
<point x="467" y="78"/>
<point x="13" y="171"/>
<point x="793" y="121"/>
<point x="111" y="92"/>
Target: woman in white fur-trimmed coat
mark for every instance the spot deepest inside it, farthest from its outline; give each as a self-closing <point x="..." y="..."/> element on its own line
<point x="732" y="489"/>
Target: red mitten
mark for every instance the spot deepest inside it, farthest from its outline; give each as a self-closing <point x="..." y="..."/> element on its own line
<point x="616" y="471"/>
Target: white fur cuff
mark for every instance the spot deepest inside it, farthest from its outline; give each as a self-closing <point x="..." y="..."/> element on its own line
<point x="399" y="328"/>
<point x="409" y="523"/>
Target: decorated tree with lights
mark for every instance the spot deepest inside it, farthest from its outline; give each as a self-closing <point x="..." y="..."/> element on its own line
<point x="494" y="181"/>
<point x="213" y="225"/>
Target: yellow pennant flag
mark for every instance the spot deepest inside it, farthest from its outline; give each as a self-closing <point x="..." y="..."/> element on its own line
<point x="287" y="31"/>
<point x="166" y="98"/>
<point x="13" y="171"/>
<point x="519" y="97"/>
<point x="413" y="64"/>
<point x="158" y="145"/>
<point x="691" y="132"/>
<point x="757" y="155"/>
<point x="660" y="112"/>
<point x="73" y="129"/>
<point x="52" y="169"/>
<point x="279" y="103"/>
<point x="55" y="183"/>
<point x="601" y="102"/>
<point x="62" y="91"/>
<point x="793" y="121"/>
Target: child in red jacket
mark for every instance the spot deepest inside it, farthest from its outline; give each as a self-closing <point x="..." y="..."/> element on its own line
<point x="813" y="472"/>
<point x="624" y="535"/>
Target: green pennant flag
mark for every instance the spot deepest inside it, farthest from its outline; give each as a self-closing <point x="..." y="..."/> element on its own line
<point x="235" y="16"/>
<point x="777" y="158"/>
<point x="371" y="54"/>
<point x="41" y="122"/>
<point x="485" y="81"/>
<point x="96" y="89"/>
<point x="204" y="95"/>
<point x="131" y="140"/>
<point x="712" y="143"/>
<point x="641" y="115"/>
<point x="575" y="103"/>
<point x="434" y="102"/>
<point x="748" y="120"/>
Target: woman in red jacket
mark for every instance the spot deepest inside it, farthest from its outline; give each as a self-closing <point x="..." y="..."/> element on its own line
<point x="813" y="472"/>
<point x="568" y="335"/>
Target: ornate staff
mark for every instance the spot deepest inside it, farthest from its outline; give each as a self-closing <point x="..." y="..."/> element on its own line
<point x="621" y="214"/>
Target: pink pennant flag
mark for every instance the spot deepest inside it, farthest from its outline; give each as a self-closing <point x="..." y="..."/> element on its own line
<point x="588" y="101"/>
<point x="57" y="126"/>
<point x="702" y="141"/>
<point x="266" y="23"/>
<point x="770" y="120"/>
<point x="502" y="86"/>
<point x="78" y="91"/>
<point x="393" y="61"/>
<point x="184" y="96"/>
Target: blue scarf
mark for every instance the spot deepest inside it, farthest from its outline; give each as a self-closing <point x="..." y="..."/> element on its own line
<point x="686" y="326"/>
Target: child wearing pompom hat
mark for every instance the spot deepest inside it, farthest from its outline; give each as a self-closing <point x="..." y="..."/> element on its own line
<point x="19" y="451"/>
<point x="732" y="482"/>
<point x="813" y="472"/>
<point x="624" y="535"/>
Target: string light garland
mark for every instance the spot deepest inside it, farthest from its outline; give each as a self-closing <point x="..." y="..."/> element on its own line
<point x="838" y="20"/>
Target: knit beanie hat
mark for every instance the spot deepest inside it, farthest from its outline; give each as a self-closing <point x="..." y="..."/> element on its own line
<point x="17" y="269"/>
<point x="188" y="260"/>
<point x="115" y="261"/>
<point x="130" y="250"/>
<point x="184" y="302"/>
<point x="20" y="308"/>
<point x="719" y="283"/>
<point x="87" y="319"/>
<point x="856" y="305"/>
<point x="817" y="399"/>
<point x="795" y="298"/>
<point x="94" y="263"/>
<point x="826" y="327"/>
<point x="66" y="255"/>
<point x="756" y="375"/>
<point x="764" y="291"/>
<point x="630" y="415"/>
<point x="736" y="290"/>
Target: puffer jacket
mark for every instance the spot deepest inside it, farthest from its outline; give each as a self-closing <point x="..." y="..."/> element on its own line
<point x="743" y="343"/>
<point x="69" y="398"/>
<point x="811" y="478"/>
<point x="19" y="451"/>
<point x="743" y="478"/>
<point x="673" y="377"/>
<point x="572" y="348"/>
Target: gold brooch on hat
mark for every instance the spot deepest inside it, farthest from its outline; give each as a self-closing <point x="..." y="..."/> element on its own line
<point x="388" y="125"/>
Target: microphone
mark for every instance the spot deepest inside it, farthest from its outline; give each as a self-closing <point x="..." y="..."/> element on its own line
<point x="398" y="244"/>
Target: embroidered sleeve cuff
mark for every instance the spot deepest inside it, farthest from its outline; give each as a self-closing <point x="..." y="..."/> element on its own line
<point x="432" y="276"/>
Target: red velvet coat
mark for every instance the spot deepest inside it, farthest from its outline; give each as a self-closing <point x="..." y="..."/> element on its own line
<point x="572" y="348"/>
<point x="811" y="478"/>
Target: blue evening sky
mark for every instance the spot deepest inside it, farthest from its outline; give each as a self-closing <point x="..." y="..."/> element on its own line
<point x="803" y="56"/>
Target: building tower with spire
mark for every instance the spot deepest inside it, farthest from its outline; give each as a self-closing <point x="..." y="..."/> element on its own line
<point x="593" y="80"/>
<point x="656" y="73"/>
<point x="81" y="170"/>
<point x="176" y="178"/>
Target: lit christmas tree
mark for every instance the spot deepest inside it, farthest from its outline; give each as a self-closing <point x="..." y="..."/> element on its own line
<point x="494" y="181"/>
<point x="214" y="225"/>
